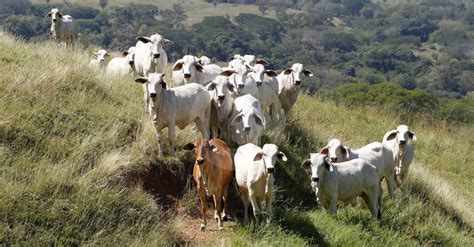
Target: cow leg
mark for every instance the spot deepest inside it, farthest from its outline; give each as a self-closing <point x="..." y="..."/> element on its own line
<point x="218" y="211"/>
<point x="391" y="184"/>
<point x="333" y="205"/>
<point x="245" y="201"/>
<point x="255" y="205"/>
<point x="202" y="198"/>
<point x="172" y="138"/>
<point x="224" y="198"/>
<point x="268" y="205"/>
<point x="159" y="136"/>
<point x="201" y="127"/>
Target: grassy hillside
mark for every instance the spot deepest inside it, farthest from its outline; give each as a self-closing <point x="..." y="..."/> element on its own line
<point x="78" y="166"/>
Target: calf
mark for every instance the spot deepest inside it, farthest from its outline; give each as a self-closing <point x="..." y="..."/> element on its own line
<point x="345" y="182"/>
<point x="122" y="65"/>
<point x="62" y="27"/>
<point x="378" y="154"/>
<point x="213" y="172"/>
<point x="403" y="152"/>
<point x="247" y="122"/>
<point x="101" y="55"/>
<point x="254" y="168"/>
<point x="178" y="106"/>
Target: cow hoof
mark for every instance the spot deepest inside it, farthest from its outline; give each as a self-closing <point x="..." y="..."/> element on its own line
<point x="221" y="228"/>
<point x="225" y="218"/>
<point x="216" y="219"/>
<point x="202" y="228"/>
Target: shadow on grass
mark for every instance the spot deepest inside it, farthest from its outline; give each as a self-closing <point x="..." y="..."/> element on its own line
<point x="298" y="223"/>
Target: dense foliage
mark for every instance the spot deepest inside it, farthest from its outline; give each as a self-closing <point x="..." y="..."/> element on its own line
<point x="426" y="46"/>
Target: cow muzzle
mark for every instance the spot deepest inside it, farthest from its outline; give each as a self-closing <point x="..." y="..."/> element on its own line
<point x="153" y="95"/>
<point x="131" y="63"/>
<point x="54" y="20"/>
<point x="247" y="129"/>
<point x="156" y="55"/>
<point x="187" y="75"/>
<point x="200" y="161"/>
<point x="315" y="179"/>
<point x="334" y="159"/>
<point x="240" y="86"/>
<point x="259" y="83"/>
<point x="297" y="82"/>
<point x="270" y="170"/>
<point x="402" y="142"/>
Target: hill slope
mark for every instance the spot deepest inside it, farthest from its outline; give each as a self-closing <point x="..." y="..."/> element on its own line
<point x="79" y="166"/>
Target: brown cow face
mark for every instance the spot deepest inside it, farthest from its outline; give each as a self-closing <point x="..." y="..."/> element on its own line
<point x="202" y="150"/>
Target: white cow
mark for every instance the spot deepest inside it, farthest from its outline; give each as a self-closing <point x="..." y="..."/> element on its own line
<point x="122" y="65"/>
<point x="267" y="87"/>
<point x="188" y="70"/>
<point x="403" y="152"/>
<point x="247" y="122"/>
<point x="288" y="82"/>
<point x="378" y="154"/>
<point x="101" y="55"/>
<point x="62" y="27"/>
<point x="242" y="79"/>
<point x="254" y="168"/>
<point x="345" y="182"/>
<point x="150" y="57"/>
<point x="222" y="93"/>
<point x="178" y="106"/>
<point x="203" y="60"/>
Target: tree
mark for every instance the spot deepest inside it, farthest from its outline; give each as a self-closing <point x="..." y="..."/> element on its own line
<point x="174" y="16"/>
<point x="263" y="6"/>
<point x="354" y="6"/>
<point x="103" y="3"/>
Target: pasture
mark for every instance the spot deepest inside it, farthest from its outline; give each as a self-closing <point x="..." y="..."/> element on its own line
<point x="79" y="166"/>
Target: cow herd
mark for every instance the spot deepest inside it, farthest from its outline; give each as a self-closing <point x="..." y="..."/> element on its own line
<point x="231" y="106"/>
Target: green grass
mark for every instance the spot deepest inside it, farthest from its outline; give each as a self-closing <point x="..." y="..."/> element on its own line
<point x="77" y="149"/>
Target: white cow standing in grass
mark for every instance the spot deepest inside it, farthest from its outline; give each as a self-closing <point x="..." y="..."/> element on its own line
<point x="150" y="57"/>
<point x="403" y="152"/>
<point x="179" y="106"/>
<point x="242" y="79"/>
<point x="254" y="168"/>
<point x="101" y="55"/>
<point x="345" y="182"/>
<point x="247" y="122"/>
<point x="62" y="27"/>
<point x="122" y="65"/>
<point x="189" y="70"/>
<point x="378" y="154"/>
<point x="267" y="87"/>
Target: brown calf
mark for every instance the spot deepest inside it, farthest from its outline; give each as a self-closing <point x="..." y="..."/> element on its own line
<point x="213" y="173"/>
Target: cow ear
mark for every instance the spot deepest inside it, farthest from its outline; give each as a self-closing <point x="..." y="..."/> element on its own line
<point x="344" y="151"/>
<point x="412" y="136"/>
<point x="166" y="42"/>
<point x="141" y="80"/>
<point x="198" y="67"/>
<point x="306" y="164"/>
<point x="281" y="156"/>
<point x="325" y="151"/>
<point x="249" y="68"/>
<point x="144" y="39"/>
<point x="308" y="72"/>
<point x="211" y="86"/>
<point x="227" y="73"/>
<point x="271" y="73"/>
<point x="259" y="120"/>
<point x="178" y="66"/>
<point x="258" y="156"/>
<point x="60" y="15"/>
<point x="392" y="134"/>
<point x="163" y="84"/>
<point x="125" y="53"/>
<point x="288" y="71"/>
<point x="236" y="119"/>
<point x="49" y="14"/>
<point x="261" y="61"/>
<point x="213" y="148"/>
<point x="189" y="146"/>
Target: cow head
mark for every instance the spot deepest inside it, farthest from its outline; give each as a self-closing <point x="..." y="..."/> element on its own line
<point x="154" y="85"/>
<point x="295" y="71"/>
<point x="402" y="135"/>
<point x="203" y="150"/>
<point x="319" y="164"/>
<point x="157" y="42"/>
<point x="260" y="71"/>
<point x="101" y="55"/>
<point x="222" y="87"/>
<point x="243" y="70"/>
<point x="188" y="65"/>
<point x="269" y="155"/>
<point x="335" y="151"/>
<point x="54" y="14"/>
<point x="248" y="119"/>
<point x="130" y="55"/>
<point x="203" y="60"/>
